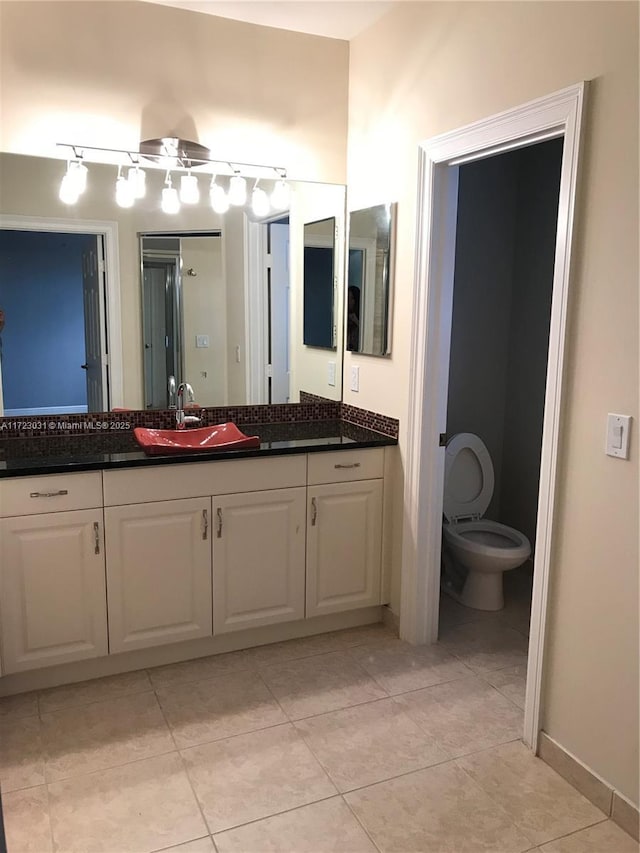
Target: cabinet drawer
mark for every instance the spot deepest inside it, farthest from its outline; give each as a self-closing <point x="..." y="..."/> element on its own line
<point x="50" y="493"/>
<point x="346" y="465"/>
<point x="200" y="479"/>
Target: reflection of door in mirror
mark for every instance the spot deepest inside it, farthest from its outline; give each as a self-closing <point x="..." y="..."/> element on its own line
<point x="52" y="293"/>
<point x="319" y="281"/>
<point x="184" y="317"/>
<point x="369" y="279"/>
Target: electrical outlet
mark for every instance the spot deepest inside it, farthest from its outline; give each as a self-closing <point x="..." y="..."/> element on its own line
<point x="355" y="377"/>
<point x="331" y="373"/>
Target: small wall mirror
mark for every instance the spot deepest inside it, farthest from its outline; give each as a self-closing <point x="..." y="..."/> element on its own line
<point x="369" y="281"/>
<point x="319" y="279"/>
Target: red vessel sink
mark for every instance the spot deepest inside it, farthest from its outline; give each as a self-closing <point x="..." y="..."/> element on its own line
<point x="219" y="437"/>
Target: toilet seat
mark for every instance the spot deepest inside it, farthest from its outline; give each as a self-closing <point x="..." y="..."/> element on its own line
<point x="491" y="539"/>
<point x="468" y="478"/>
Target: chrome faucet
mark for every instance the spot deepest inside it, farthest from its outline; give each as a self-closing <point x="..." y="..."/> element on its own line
<point x="171" y="388"/>
<point x="183" y="420"/>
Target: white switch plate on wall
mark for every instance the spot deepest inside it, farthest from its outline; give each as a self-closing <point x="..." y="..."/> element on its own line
<point x="355" y="377"/>
<point x="618" y="428"/>
<point x="331" y="373"/>
<point x="202" y="341"/>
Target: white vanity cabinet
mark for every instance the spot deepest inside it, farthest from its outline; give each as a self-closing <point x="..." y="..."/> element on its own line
<point x="158" y="572"/>
<point x="53" y="606"/>
<point x="258" y="558"/>
<point x="344" y="530"/>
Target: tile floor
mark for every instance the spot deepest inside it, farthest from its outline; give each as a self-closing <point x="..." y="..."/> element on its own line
<point x="350" y="742"/>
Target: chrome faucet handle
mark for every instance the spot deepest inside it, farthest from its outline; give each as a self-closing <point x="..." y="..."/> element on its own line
<point x="171" y="387"/>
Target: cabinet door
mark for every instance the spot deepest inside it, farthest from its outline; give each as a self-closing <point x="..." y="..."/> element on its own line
<point x="158" y="573"/>
<point x="344" y="540"/>
<point x="53" y="604"/>
<point x="258" y="559"/>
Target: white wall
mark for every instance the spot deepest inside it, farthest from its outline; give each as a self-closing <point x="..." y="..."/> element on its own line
<point x="428" y="68"/>
<point x="204" y="311"/>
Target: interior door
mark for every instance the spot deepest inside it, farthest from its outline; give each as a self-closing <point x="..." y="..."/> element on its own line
<point x="95" y="365"/>
<point x="279" y="313"/>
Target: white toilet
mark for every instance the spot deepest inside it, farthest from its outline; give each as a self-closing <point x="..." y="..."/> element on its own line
<point x="484" y="548"/>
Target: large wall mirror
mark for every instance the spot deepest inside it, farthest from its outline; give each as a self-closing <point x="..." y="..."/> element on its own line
<point x="101" y="303"/>
<point x="370" y="280"/>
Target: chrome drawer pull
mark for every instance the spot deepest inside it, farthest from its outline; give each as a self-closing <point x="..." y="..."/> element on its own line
<point x="49" y="494"/>
<point x="205" y="523"/>
<point x="96" y="535"/>
<point x="352" y="465"/>
<point x="219" y="530"/>
<point x="314" y="512"/>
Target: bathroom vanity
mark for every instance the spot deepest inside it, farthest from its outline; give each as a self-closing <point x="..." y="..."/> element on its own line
<point x="118" y="560"/>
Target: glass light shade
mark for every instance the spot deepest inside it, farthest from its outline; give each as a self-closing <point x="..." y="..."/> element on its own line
<point x="260" y="202"/>
<point x="170" y="200"/>
<point x="68" y="193"/>
<point x="137" y="177"/>
<point x="189" y="191"/>
<point x="124" y="192"/>
<point x="280" y="195"/>
<point x="219" y="199"/>
<point x="237" y="190"/>
<point x="79" y="172"/>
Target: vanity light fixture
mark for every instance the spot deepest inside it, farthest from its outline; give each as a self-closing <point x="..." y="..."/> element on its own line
<point x="138" y="179"/>
<point x="175" y="155"/>
<point x="259" y="201"/>
<point x="124" y="190"/>
<point x="74" y="182"/>
<point x="218" y="197"/>
<point x="280" y="195"/>
<point x="237" y="190"/>
<point x="189" y="191"/>
<point x="170" y="200"/>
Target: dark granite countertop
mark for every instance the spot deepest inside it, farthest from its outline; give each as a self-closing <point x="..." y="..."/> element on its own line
<point x="67" y="454"/>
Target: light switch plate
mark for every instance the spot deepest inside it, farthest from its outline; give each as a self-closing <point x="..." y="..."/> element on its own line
<point x="331" y="373"/>
<point x="618" y="428"/>
<point x="355" y="377"/>
<point x="202" y="341"/>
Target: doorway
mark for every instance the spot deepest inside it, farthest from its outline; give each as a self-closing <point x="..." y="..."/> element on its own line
<point x="54" y="343"/>
<point x="557" y="116"/>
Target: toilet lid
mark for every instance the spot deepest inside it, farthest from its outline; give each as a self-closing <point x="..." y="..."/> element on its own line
<point x="468" y="477"/>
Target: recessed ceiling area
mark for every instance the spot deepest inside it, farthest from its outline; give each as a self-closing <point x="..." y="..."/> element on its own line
<point x="338" y="19"/>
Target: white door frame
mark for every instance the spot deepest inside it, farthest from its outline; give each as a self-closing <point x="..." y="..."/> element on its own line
<point x="559" y="114"/>
<point x="108" y="230"/>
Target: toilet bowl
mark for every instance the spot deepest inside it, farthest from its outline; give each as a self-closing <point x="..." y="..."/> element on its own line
<point x="485" y="549"/>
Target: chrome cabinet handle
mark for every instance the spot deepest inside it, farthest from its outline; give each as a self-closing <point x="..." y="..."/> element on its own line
<point x="314" y="512"/>
<point x="96" y="537"/>
<point x="219" y="530"/>
<point x="205" y="523"/>
<point x="352" y="465"/>
<point x="49" y="494"/>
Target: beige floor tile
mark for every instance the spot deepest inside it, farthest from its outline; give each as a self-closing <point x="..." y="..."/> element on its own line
<point x="320" y="684"/>
<point x="453" y="613"/>
<point x="96" y="690"/>
<point x="511" y="682"/>
<point x="103" y="734"/>
<point x="366" y="744"/>
<point x="398" y="666"/>
<point x="21" y="753"/>
<point x="291" y="650"/>
<point x="253" y="776"/>
<point x="199" y="669"/>
<point x="326" y="827"/>
<point x="537" y="799"/>
<point x="146" y="805"/>
<point x="439" y="809"/>
<point x="366" y="634"/>
<point x="605" y="837"/>
<point x="464" y="716"/>
<point x="201" y="845"/>
<point x="26" y="821"/>
<point x="18" y="706"/>
<point x="485" y="646"/>
<point x="219" y="708"/>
